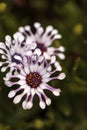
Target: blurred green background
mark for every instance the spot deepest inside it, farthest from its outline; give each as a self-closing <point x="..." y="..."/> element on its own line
<point x="69" y="110"/>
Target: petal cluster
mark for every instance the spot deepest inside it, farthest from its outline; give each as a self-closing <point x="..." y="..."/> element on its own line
<point x="13" y="51"/>
<point x="44" y="40"/>
<point x="32" y="64"/>
<point x="33" y="67"/>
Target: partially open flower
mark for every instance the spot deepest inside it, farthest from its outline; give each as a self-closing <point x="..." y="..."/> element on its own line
<point x="43" y="41"/>
<point x="13" y="51"/>
<point x="33" y="79"/>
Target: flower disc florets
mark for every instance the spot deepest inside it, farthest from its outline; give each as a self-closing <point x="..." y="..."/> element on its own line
<point x="33" y="79"/>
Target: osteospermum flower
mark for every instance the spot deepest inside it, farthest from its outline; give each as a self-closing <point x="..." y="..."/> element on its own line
<point x="13" y="51"/>
<point x="43" y="40"/>
<point x="33" y="79"/>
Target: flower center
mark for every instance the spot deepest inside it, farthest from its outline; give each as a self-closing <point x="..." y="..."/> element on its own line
<point x="33" y="79"/>
<point x="41" y="47"/>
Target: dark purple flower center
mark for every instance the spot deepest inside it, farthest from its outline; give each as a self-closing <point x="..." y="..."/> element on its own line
<point x="41" y="47"/>
<point x="33" y="79"/>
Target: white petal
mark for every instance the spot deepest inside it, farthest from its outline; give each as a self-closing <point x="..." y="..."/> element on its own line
<point x="18" y="57"/>
<point x="8" y="40"/>
<point x="61" y="48"/>
<point x="21" y="29"/>
<point x="26" y="69"/>
<point x="33" y="45"/>
<point x="16" y="35"/>
<point x="27" y="90"/>
<point x="34" y="57"/>
<point x="43" y="86"/>
<point x="8" y="75"/>
<point x="21" y="38"/>
<point x="53" y="59"/>
<point x="42" y="104"/>
<point x="48" y="101"/>
<point x="46" y="55"/>
<point x="24" y="105"/>
<point x="12" y="51"/>
<point x="61" y="76"/>
<point x="57" y="36"/>
<point x="21" y="82"/>
<point x="35" y="67"/>
<point x="29" y="105"/>
<point x="2" y="52"/>
<point x="3" y="69"/>
<point x="23" y="86"/>
<point x="40" y="68"/>
<point x="28" y="53"/>
<point x="27" y="28"/>
<point x="61" y="56"/>
<point x="3" y="57"/>
<point x="39" y="89"/>
<point x="40" y="31"/>
<point x="43" y="71"/>
<point x="46" y="75"/>
<point x="57" y="65"/>
<point x="31" y="68"/>
<point x="37" y="24"/>
<point x="49" y="68"/>
<point x="41" y="58"/>
<point x="33" y="91"/>
<point x="29" y="41"/>
<point x="57" y="92"/>
<point x="21" y="76"/>
<point x="37" y="51"/>
<point x="45" y="80"/>
<point x="2" y="45"/>
<point x="55" y="31"/>
<point x="8" y="83"/>
<point x="48" y="29"/>
<point x="23" y="72"/>
<point x="11" y="94"/>
<point x="50" y="50"/>
<point x="17" y="99"/>
<point x="1" y="63"/>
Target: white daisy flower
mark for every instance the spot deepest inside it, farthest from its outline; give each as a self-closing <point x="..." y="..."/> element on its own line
<point x="33" y="79"/>
<point x="43" y="40"/>
<point x="13" y="51"/>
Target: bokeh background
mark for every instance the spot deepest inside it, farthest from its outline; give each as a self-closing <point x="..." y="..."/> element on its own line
<point x="69" y="110"/>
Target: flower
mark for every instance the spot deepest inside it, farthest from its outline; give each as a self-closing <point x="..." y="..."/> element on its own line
<point x="43" y="40"/>
<point x="13" y="51"/>
<point x="33" y="79"/>
<point x="31" y="59"/>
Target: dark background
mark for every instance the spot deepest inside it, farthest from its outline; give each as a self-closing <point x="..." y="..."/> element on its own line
<point x="69" y="111"/>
